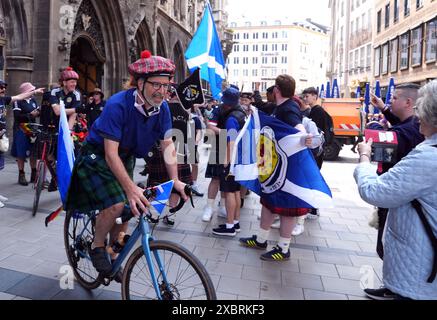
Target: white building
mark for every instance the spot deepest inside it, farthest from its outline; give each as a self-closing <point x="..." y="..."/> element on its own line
<point x="263" y="50"/>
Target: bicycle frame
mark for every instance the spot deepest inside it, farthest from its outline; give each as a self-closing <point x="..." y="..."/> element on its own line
<point x="142" y="230"/>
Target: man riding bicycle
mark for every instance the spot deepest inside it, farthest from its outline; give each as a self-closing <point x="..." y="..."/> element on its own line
<point x="129" y="126"/>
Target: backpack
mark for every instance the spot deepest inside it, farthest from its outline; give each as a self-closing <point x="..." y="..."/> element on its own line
<point x="318" y="136"/>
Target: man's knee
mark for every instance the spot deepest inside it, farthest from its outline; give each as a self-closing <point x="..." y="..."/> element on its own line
<point x="112" y="212"/>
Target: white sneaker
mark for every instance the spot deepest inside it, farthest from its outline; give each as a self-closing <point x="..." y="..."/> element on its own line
<point x="2" y="204"/>
<point x="3" y="199"/>
<point x="298" y="230"/>
<point x="207" y="214"/>
<point x="222" y="212"/>
<point x="276" y="224"/>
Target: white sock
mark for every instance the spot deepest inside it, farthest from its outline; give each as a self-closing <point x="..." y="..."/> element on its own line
<point x="284" y="244"/>
<point x="1" y="204"/>
<point x="229" y="225"/>
<point x="301" y="220"/>
<point x="210" y="203"/>
<point x="236" y="222"/>
<point x="194" y="183"/>
<point x="262" y="235"/>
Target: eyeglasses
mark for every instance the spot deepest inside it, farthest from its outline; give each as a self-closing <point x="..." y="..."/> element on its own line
<point x="158" y="85"/>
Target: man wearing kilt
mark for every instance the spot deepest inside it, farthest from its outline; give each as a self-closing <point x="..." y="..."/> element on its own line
<point x="128" y="128"/>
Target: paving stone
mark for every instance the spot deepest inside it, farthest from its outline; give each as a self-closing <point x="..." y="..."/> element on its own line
<point x="343" y="244"/>
<point x="271" y="291"/>
<point x="323" y="295"/>
<point x="333" y="258"/>
<point x="300" y="280"/>
<point x="261" y="274"/>
<point x="247" y="258"/>
<point x="353" y="236"/>
<point x="342" y="286"/>
<point x="36" y="288"/>
<point x="6" y="296"/>
<point x="20" y="263"/>
<point x="10" y="278"/>
<point x="241" y="287"/>
<point x="199" y="241"/>
<point x="316" y="268"/>
<point x="224" y="269"/>
<point x="211" y="254"/>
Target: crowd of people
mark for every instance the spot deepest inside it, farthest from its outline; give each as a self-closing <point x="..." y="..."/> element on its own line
<point x="137" y="124"/>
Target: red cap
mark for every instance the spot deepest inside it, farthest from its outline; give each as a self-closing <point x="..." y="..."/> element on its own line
<point x="150" y="65"/>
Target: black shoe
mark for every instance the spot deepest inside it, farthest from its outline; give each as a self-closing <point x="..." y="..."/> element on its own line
<point x="223" y="231"/>
<point x="168" y="221"/>
<point x="100" y="260"/>
<point x="22" y="180"/>
<point x="53" y="186"/>
<point x="236" y="227"/>
<point x="196" y="192"/>
<point x="253" y="243"/>
<point x="276" y="254"/>
<point x="33" y="176"/>
<point x="380" y="294"/>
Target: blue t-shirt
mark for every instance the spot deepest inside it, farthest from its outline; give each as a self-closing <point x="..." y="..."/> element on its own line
<point x="232" y="128"/>
<point x="120" y="121"/>
<point x="72" y="100"/>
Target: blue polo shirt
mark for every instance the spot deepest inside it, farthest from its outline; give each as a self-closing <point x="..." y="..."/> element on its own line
<point x="22" y="110"/>
<point x="232" y="128"/>
<point x="120" y="121"/>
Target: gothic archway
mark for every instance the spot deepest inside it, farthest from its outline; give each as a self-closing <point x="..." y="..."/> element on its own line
<point x="95" y="27"/>
<point x="87" y="63"/>
<point x="143" y="41"/>
<point x="160" y="44"/>
<point x="179" y="61"/>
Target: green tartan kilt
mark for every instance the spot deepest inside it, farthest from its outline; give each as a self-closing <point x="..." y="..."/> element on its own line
<point x="93" y="186"/>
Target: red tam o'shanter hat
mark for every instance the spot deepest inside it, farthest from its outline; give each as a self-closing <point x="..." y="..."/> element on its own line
<point x="149" y="66"/>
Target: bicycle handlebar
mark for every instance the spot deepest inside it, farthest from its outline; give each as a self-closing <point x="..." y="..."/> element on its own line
<point x="150" y="193"/>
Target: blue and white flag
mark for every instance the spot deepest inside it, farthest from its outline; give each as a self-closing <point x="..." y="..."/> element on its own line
<point x="322" y="94"/>
<point x="163" y="193"/>
<point x="335" y="90"/>
<point x="378" y="94"/>
<point x="390" y="91"/>
<point x="367" y="99"/>
<point x="65" y="161"/>
<point x="328" y="90"/>
<point x="205" y="52"/>
<point x="270" y="159"/>
<point x="358" y="93"/>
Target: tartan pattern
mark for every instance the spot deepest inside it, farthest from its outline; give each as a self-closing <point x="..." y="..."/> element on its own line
<point x="93" y="185"/>
<point x="158" y="171"/>
<point x="152" y="65"/>
<point x="287" y="212"/>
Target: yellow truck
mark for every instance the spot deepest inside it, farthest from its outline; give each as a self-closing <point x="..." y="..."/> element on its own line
<point x="349" y="123"/>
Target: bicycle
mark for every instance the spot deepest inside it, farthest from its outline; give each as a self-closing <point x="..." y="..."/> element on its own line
<point x="46" y="137"/>
<point x="157" y="269"/>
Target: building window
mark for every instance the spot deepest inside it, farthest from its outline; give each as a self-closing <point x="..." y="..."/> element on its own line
<point x="274" y="47"/>
<point x="264" y="60"/>
<point x="236" y="73"/>
<point x="384" y="69"/>
<point x="387" y="15"/>
<point x="342" y="8"/>
<point x="431" y="40"/>
<point x="274" y="60"/>
<point x="245" y="36"/>
<point x="377" y="63"/>
<point x="255" y="47"/>
<point x="236" y="60"/>
<point x="265" y="48"/>
<point x="245" y="73"/>
<point x="255" y="60"/>
<point x="405" y="51"/>
<point x="274" y="35"/>
<point x="236" y="48"/>
<point x="364" y="21"/>
<point x="416" y="47"/>
<point x="357" y="59"/>
<point x="284" y="60"/>
<point x="245" y="60"/>
<point x="369" y="56"/>
<point x="263" y="23"/>
<point x="396" y="11"/>
<point x="265" y="35"/>
<point x="362" y="58"/>
<point x="284" y="34"/>
<point x="264" y="72"/>
<point x="406" y="8"/>
<point x="351" y="62"/>
<point x="233" y="24"/>
<point x="246" y="48"/>
<point x="378" y="22"/>
<point x="255" y="72"/>
<point x="419" y="4"/>
<point x="255" y="35"/>
<point x="352" y="27"/>
<point x="284" y="47"/>
<point x="394" y="55"/>
<point x="247" y="24"/>
<point x="274" y="72"/>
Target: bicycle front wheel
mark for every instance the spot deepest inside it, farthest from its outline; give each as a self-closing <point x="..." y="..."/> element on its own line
<point x="40" y="179"/>
<point x="187" y="278"/>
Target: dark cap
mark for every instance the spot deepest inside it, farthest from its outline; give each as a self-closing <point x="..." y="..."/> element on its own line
<point x="231" y="97"/>
<point x="3" y="84"/>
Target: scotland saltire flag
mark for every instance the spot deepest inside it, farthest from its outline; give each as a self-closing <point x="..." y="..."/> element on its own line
<point x="335" y="90"/>
<point x="163" y="193"/>
<point x="390" y="91"/>
<point x="269" y="159"/>
<point x="205" y="52"/>
<point x="65" y="161"/>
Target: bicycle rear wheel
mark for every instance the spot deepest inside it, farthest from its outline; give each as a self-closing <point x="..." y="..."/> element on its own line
<point x="78" y="237"/>
<point x="186" y="275"/>
<point x="39" y="185"/>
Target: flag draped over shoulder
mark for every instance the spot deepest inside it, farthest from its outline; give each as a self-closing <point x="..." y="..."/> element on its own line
<point x="65" y="161"/>
<point x="269" y="159"/>
<point x="190" y="91"/>
<point x="205" y="52"/>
